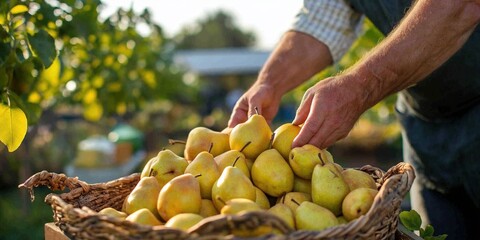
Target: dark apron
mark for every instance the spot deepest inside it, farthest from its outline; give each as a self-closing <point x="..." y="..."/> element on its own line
<point x="440" y="115"/>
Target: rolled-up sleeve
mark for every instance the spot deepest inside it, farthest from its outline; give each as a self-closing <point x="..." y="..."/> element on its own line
<point x="332" y="22"/>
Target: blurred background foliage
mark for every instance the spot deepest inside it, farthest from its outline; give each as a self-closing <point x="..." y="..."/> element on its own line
<point x="75" y="74"/>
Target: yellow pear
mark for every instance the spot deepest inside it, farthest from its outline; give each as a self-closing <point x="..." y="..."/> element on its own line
<point x="231" y="157"/>
<point x="293" y="199"/>
<point x="342" y="220"/>
<point x="261" y="199"/>
<point x="184" y="221"/>
<point x="231" y="184"/>
<point x="146" y="169"/>
<point x="167" y="166"/>
<point x="272" y="174"/>
<point x="339" y="167"/>
<point x="328" y="187"/>
<point x="357" y="179"/>
<point x="249" y="163"/>
<point x="207" y="208"/>
<point x="179" y="195"/>
<point x="112" y="212"/>
<point x="283" y="212"/>
<point x="205" y="167"/>
<point x="239" y="206"/>
<point x="124" y="205"/>
<point x="201" y="138"/>
<point x="303" y="159"/>
<point x="143" y="216"/>
<point x="310" y="216"/>
<point x="302" y="185"/>
<point x="283" y="138"/>
<point x="358" y="202"/>
<point x="251" y="137"/>
<point x="144" y="195"/>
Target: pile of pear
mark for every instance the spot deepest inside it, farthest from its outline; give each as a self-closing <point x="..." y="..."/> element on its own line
<point x="247" y="168"/>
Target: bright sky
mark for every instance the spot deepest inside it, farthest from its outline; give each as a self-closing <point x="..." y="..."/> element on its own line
<point x="268" y="19"/>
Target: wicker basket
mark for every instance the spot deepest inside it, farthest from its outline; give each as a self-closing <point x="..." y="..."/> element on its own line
<point x="75" y="212"/>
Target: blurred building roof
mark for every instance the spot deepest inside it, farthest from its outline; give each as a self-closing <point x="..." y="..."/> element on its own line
<point x="212" y="62"/>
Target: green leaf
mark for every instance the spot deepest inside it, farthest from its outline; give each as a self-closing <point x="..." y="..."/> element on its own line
<point x="427" y="232"/>
<point x="411" y="220"/>
<point x="43" y="45"/>
<point x="19" y="9"/>
<point x="4" y="52"/>
<point x="14" y="126"/>
<point x="439" y="237"/>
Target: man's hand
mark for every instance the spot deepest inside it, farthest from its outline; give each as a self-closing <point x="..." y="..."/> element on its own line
<point x="328" y="111"/>
<point x="412" y="51"/>
<point x="296" y="58"/>
<point x="260" y="96"/>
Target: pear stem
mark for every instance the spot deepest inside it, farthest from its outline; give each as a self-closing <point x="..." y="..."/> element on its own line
<point x="321" y="159"/>
<point x="235" y="162"/>
<point x="270" y="144"/>
<point x="210" y="149"/>
<point x="256" y="110"/>
<point x="150" y="173"/>
<point x="198" y="175"/>
<point x="282" y="199"/>
<point x="295" y="201"/>
<point x="174" y="141"/>
<point x="221" y="200"/>
<point x="243" y="148"/>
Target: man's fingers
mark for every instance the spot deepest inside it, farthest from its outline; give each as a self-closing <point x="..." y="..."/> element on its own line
<point x="311" y="126"/>
<point x="303" y="110"/>
<point x="239" y="115"/>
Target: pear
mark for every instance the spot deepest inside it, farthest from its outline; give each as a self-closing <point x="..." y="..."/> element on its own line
<point x="358" y="202"/>
<point x="339" y="167"/>
<point x="200" y="138"/>
<point x="207" y="208"/>
<point x="303" y="159"/>
<point x="328" y="187"/>
<point x="249" y="163"/>
<point x="342" y="220"/>
<point x="184" y="221"/>
<point x="251" y="137"/>
<point x="143" y="216"/>
<point x="231" y="184"/>
<point x="302" y="185"/>
<point x="357" y="179"/>
<point x="272" y="174"/>
<point x="293" y="199"/>
<point x="231" y="157"/>
<point x="205" y="167"/>
<point x="283" y="138"/>
<point x="167" y="166"/>
<point x="112" y="212"/>
<point x="283" y="212"/>
<point x="124" y="204"/>
<point x="261" y="199"/>
<point x="310" y="216"/>
<point x="239" y="206"/>
<point x="146" y="169"/>
<point x="144" y="195"/>
<point x="179" y="195"/>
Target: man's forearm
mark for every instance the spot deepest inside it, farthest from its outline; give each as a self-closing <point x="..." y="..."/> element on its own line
<point x="296" y="58"/>
<point x="430" y="34"/>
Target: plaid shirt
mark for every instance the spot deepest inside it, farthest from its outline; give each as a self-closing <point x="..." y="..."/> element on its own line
<point x="333" y="22"/>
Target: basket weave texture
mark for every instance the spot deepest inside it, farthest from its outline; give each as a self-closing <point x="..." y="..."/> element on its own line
<point x="75" y="212"/>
